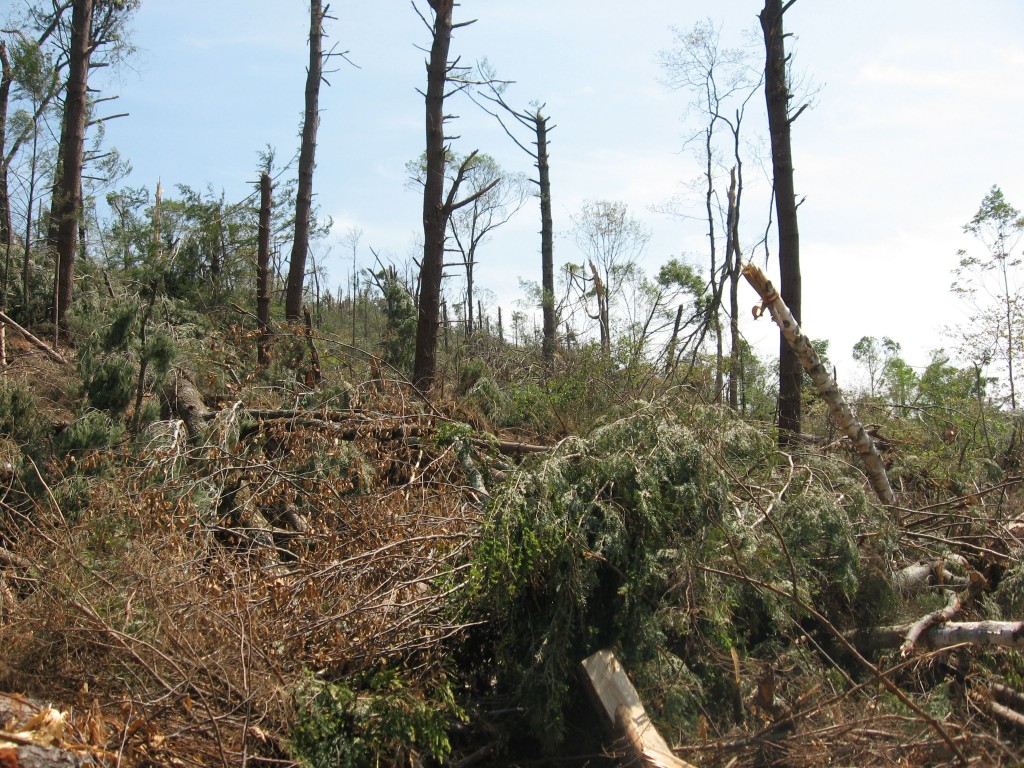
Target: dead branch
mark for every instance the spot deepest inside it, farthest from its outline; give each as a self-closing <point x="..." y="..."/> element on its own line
<point x="50" y="352"/>
<point x="925" y="623"/>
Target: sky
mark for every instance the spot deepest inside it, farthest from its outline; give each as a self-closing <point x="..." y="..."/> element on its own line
<point x="917" y="112"/>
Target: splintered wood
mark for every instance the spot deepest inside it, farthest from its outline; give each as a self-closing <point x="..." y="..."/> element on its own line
<point x="619" y="703"/>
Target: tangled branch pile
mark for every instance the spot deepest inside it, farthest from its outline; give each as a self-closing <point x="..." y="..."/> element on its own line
<point x="278" y="587"/>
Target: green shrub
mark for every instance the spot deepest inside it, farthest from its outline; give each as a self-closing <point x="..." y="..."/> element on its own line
<point x="379" y="719"/>
<point x="624" y="540"/>
<point x="110" y="385"/>
<point x="20" y="419"/>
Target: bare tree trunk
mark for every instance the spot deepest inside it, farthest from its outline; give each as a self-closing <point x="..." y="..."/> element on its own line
<point x="603" y="321"/>
<point x="435" y="215"/>
<point x="547" y="239"/>
<point x="469" y="292"/>
<point x="777" y="97"/>
<point x="312" y="376"/>
<point x="27" y="255"/>
<point x="307" y="162"/>
<point x="263" y="272"/>
<point x="66" y="206"/>
<point x="6" y="78"/>
<point x="732" y="267"/>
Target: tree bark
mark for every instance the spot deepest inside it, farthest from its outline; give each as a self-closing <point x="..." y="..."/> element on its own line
<point x="66" y="206"/>
<point x="263" y="272"/>
<point x="307" y="162"/>
<point x="184" y="400"/>
<point x="6" y="77"/>
<point x="435" y="212"/>
<point x="1004" y="634"/>
<point x="777" y="97"/>
<point x="547" y="239"/>
<point x="823" y="382"/>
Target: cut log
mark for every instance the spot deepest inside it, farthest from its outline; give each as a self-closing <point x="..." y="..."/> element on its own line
<point x="623" y="711"/>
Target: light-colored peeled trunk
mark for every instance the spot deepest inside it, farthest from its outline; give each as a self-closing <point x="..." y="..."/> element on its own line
<point x="823" y="382"/>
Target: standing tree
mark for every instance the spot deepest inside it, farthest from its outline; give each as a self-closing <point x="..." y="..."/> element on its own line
<point x="263" y="270"/>
<point x="503" y="195"/>
<point x="95" y="24"/>
<point x="66" y="205"/>
<point x="437" y="205"/>
<point x="307" y="162"/>
<point x="876" y="357"/>
<point x="722" y="81"/>
<point x="612" y="241"/>
<point x="535" y="120"/>
<point x="471" y="224"/>
<point x="35" y="80"/>
<point x="778" y="97"/>
<point x="6" y="80"/>
<point x="998" y="324"/>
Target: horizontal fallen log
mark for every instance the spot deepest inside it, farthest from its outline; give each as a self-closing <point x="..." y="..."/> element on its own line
<point x="928" y="574"/>
<point x="622" y="709"/>
<point x="1001" y="712"/>
<point x="1005" y="634"/>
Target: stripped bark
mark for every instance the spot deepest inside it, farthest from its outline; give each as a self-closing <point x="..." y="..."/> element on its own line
<point x="823" y="382"/>
<point x="925" y="623"/>
<point x="617" y="700"/>
<point x="1005" y="634"/>
<point x="922" y="575"/>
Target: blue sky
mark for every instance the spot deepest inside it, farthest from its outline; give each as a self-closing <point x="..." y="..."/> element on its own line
<point x="919" y="112"/>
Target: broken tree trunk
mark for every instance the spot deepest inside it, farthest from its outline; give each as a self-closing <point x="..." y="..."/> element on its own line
<point x="1006" y="634"/>
<point x="823" y="382"/>
<point x="623" y="710"/>
<point x="184" y="400"/>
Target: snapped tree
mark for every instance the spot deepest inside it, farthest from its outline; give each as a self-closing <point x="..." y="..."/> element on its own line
<point x="536" y="121"/>
<point x="438" y="206"/>
<point x="611" y="240"/>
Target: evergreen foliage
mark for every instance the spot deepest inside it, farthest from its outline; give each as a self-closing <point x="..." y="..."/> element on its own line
<point x="606" y="543"/>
